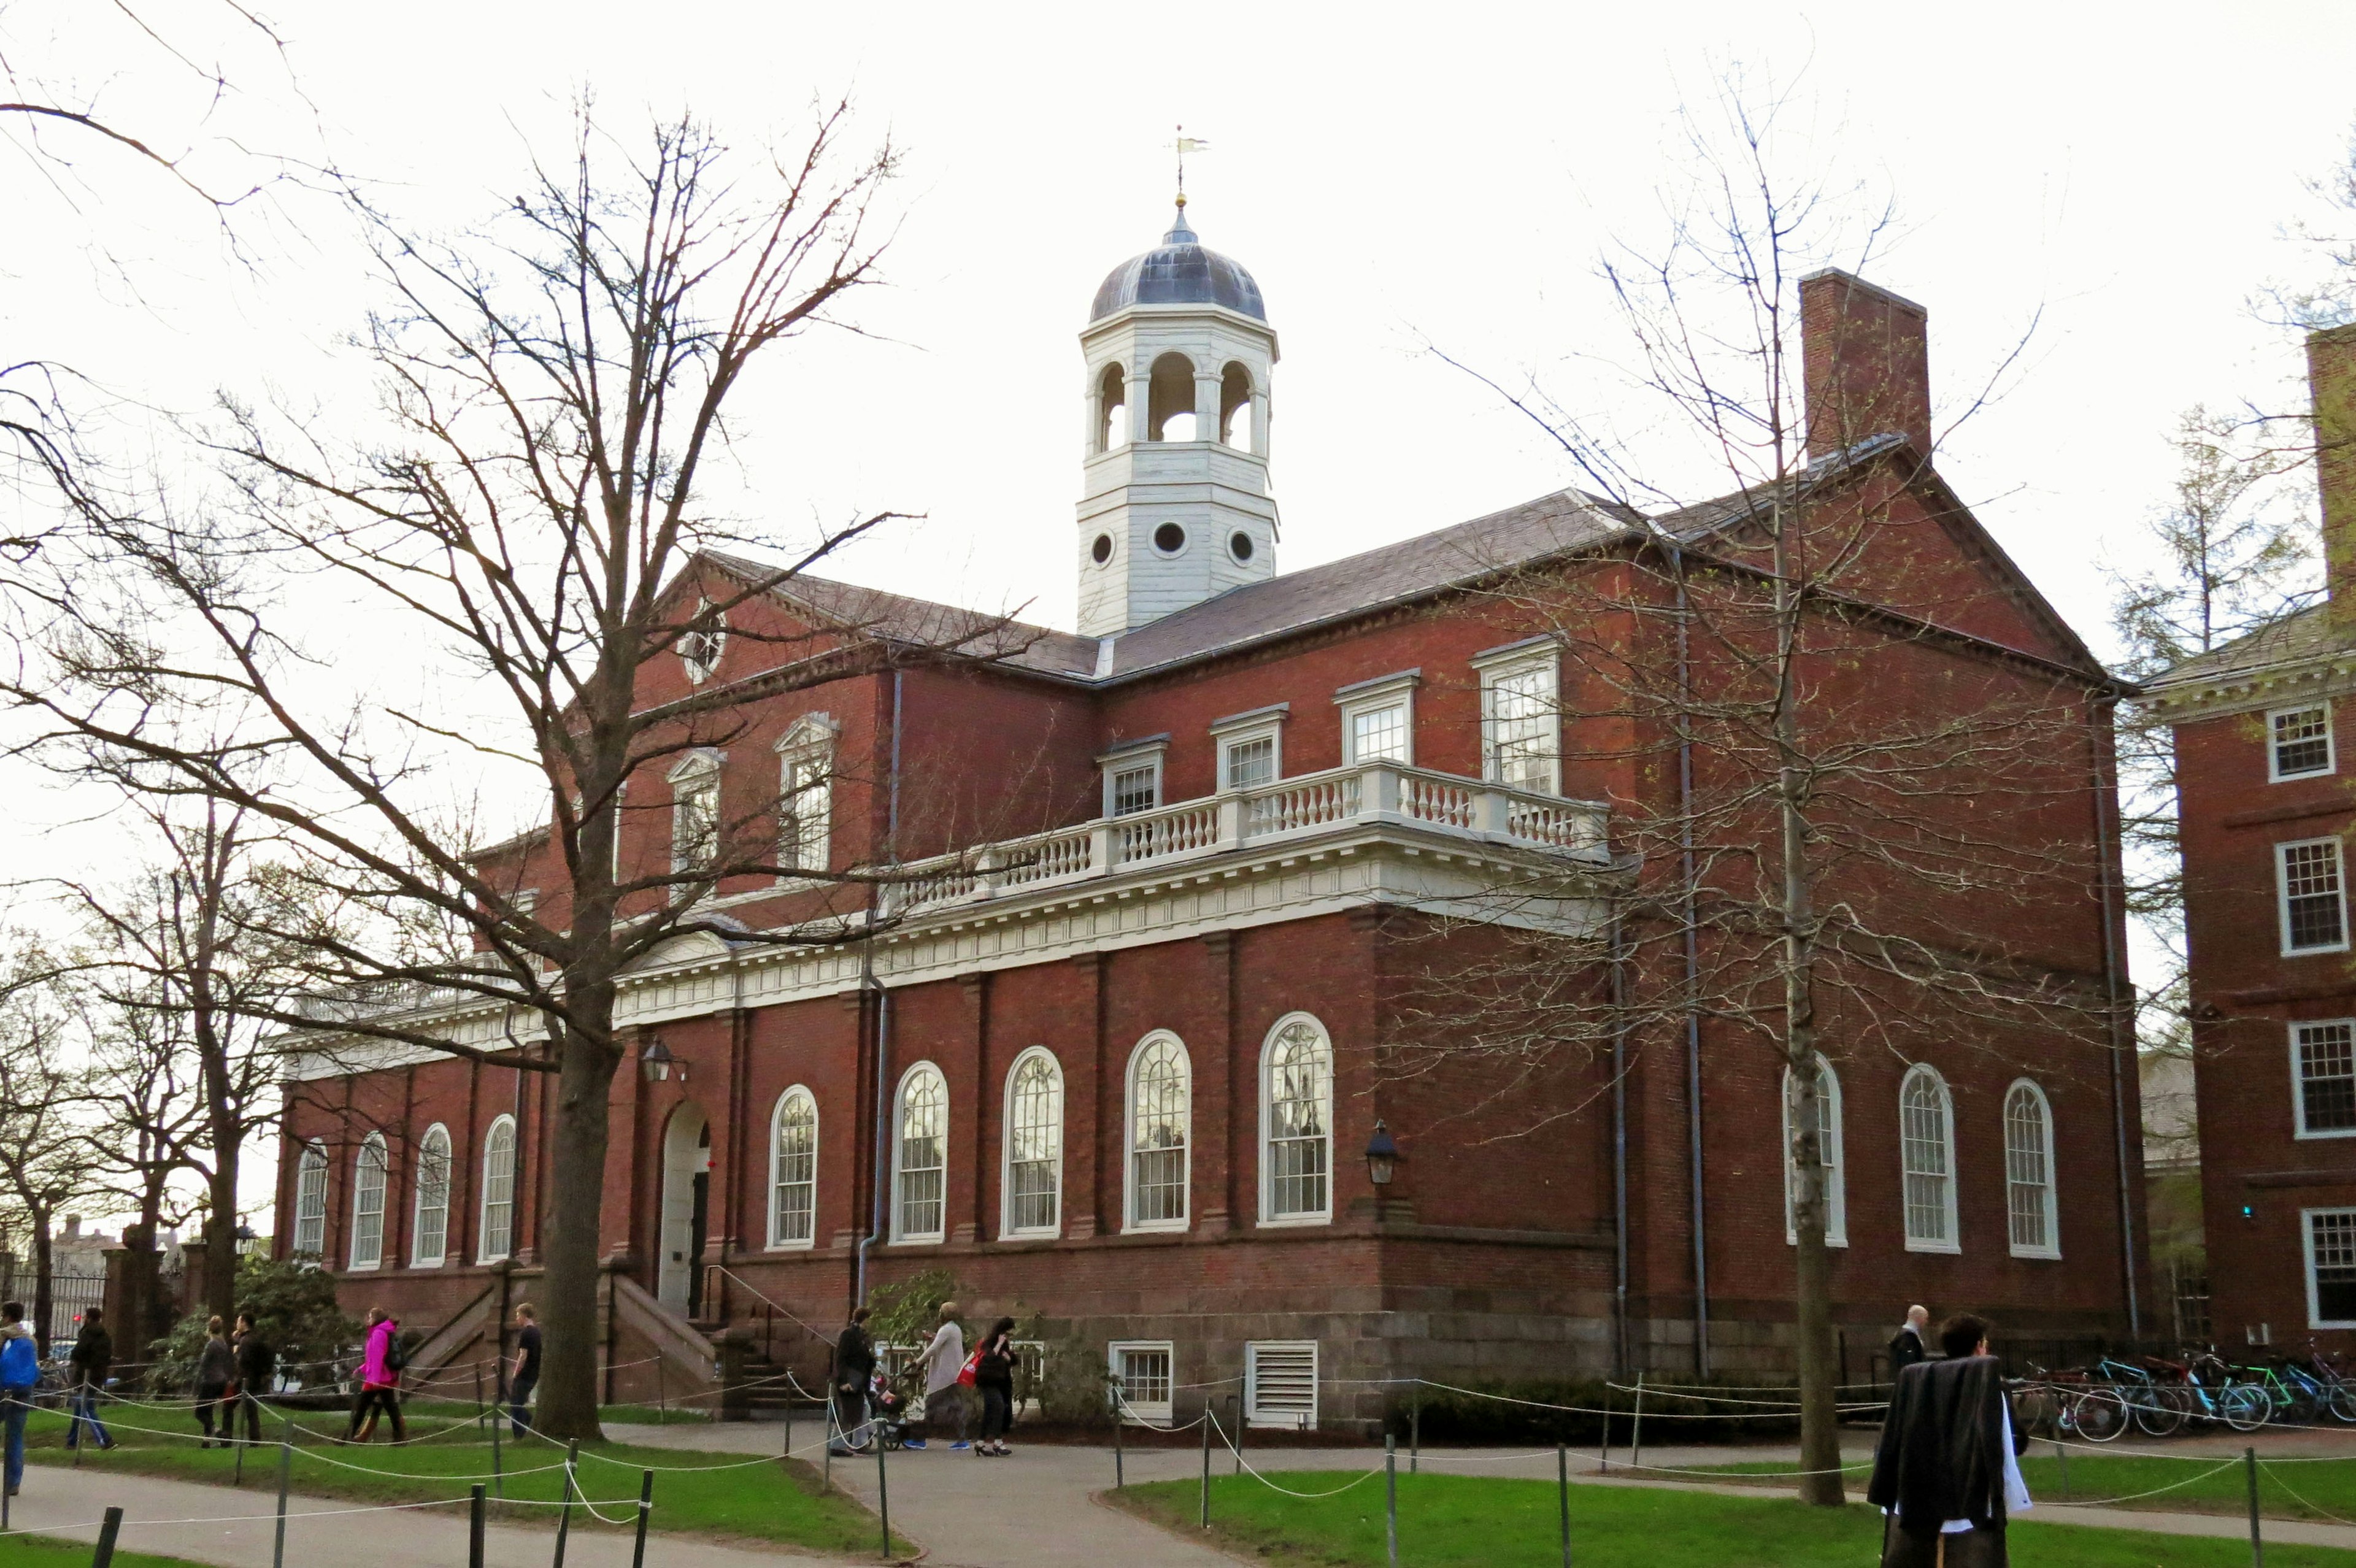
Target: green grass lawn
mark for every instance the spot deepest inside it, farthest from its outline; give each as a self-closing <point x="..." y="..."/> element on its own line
<point x="41" y="1552"/>
<point x="2323" y="1492"/>
<point x="717" y="1495"/>
<point x="1467" y="1521"/>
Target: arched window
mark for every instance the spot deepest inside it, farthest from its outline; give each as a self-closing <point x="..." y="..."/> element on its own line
<point x="695" y="812"/>
<point x="700" y="644"/>
<point x="920" y="1156"/>
<point x="1033" y="1181"/>
<point x="1927" y="1150"/>
<point x="806" y="796"/>
<point x="498" y="1190"/>
<point x="1112" y="409"/>
<point x="1170" y="399"/>
<point x="1829" y="1151"/>
<point x="1296" y="1093"/>
<point x="368" y="1202"/>
<point x="311" y="1202"/>
<point x="793" y="1169"/>
<point x="1236" y="407"/>
<point x="1161" y="1107"/>
<point x="430" y="1235"/>
<point x="2028" y="1172"/>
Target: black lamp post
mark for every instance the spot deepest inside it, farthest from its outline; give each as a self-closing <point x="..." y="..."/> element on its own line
<point x="1382" y="1162"/>
<point x="655" y="1060"/>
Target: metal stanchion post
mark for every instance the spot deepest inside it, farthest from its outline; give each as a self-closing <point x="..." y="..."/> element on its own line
<point x="883" y="1491"/>
<point x="1206" y="1465"/>
<point x="662" y="1394"/>
<point x="1562" y="1494"/>
<point x="1390" y="1495"/>
<point x="1415" y="1436"/>
<point x="286" y="1474"/>
<point x="565" y="1510"/>
<point x="498" y="1470"/>
<point x="1636" y="1429"/>
<point x="2062" y="1454"/>
<point x="1603" y="1450"/>
<point x="107" y="1530"/>
<point x="474" y="1525"/>
<point x="1236" y="1406"/>
<point x="75" y="1430"/>
<point x="826" y="1480"/>
<point x="2257" y="1547"/>
<point x="237" y="1408"/>
<point x="1118" y="1423"/>
<point x="646" y="1507"/>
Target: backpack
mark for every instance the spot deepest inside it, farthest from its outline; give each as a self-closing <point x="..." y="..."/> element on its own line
<point x="396" y="1355"/>
<point x="20" y="1362"/>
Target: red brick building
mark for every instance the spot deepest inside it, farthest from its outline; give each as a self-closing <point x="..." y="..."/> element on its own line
<point x="1120" y="1068"/>
<point x="2262" y="734"/>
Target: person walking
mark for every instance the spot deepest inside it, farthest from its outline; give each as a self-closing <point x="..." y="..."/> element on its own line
<point x="216" y="1369"/>
<point x="854" y="1363"/>
<point x="20" y="1373"/>
<point x="993" y="1379"/>
<point x="1907" y="1345"/>
<point x="380" y="1380"/>
<point x="91" y="1361"/>
<point x="257" y="1368"/>
<point x="942" y="1361"/>
<point x="524" y="1375"/>
<point x="1946" y="1473"/>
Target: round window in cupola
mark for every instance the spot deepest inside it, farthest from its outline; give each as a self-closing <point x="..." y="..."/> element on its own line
<point x="1170" y="538"/>
<point x="1239" y="545"/>
<point x="699" y="645"/>
<point x="1101" y="551"/>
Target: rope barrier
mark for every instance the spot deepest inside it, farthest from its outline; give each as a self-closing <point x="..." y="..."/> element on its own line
<point x="2267" y="1465"/>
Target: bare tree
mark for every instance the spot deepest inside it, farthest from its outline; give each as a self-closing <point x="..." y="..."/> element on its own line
<point x="47" y="1161"/>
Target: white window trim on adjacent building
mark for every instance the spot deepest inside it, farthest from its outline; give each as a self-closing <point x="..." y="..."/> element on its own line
<point x="1501" y="671"/>
<point x="695" y="789"/>
<point x="2047" y="1195"/>
<point x="797" y="1097"/>
<point x="805" y="794"/>
<point x="1296" y="1031"/>
<point x="430" y="1221"/>
<point x="372" y="1186"/>
<point x="2306" y="1228"/>
<point x="903" y="1233"/>
<point x="2283" y="853"/>
<point x="1148" y="1412"/>
<point x="1011" y="1224"/>
<point x="1280" y="1384"/>
<point x="311" y="1202"/>
<point x="1828" y="1094"/>
<point x="2275" y="720"/>
<point x="1948" y="1242"/>
<point x="499" y="1193"/>
<point x="1143" y="755"/>
<point x="1367" y="699"/>
<point x="1130" y="1153"/>
<point x="1244" y="740"/>
<point x="2299" y="1041"/>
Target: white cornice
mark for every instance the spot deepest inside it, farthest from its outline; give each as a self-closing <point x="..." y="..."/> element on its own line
<point x="2251" y="690"/>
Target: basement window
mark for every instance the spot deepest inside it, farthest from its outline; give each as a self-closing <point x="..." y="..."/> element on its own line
<point x="1142" y="1379"/>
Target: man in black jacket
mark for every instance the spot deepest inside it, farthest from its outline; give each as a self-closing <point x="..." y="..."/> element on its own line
<point x="1906" y="1346"/>
<point x="257" y="1366"/>
<point x="854" y="1363"/>
<point x="91" y="1360"/>
<point x="1944" y="1473"/>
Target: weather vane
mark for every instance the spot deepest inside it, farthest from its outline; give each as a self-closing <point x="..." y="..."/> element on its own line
<point x="1183" y="145"/>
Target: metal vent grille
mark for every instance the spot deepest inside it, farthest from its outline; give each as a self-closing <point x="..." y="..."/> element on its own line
<point x="1280" y="1383"/>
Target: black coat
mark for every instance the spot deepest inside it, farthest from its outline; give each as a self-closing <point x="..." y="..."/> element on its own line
<point x="1905" y="1351"/>
<point x="93" y="1354"/>
<point x="855" y="1357"/>
<point x="1942" y="1450"/>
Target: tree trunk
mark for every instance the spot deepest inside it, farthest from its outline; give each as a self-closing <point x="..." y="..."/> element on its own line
<point x="220" y="1234"/>
<point x="44" y="1289"/>
<point x="576" y="1175"/>
<point x="1812" y="1299"/>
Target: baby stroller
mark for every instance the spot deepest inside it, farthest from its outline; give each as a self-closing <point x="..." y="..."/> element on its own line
<point x="884" y="1420"/>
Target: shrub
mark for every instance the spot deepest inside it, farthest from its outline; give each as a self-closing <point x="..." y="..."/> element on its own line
<point x="294" y="1308"/>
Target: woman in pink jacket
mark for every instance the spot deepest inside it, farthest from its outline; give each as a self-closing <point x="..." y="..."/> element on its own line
<point x="379" y="1381"/>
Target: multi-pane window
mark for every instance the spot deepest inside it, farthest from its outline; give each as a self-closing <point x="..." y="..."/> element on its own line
<point x="2325" y="1054"/>
<point x="695" y="815"/>
<point x="499" y="1189"/>
<point x="920" y="1156"/>
<point x="1035" y="1147"/>
<point x="368" y="1203"/>
<point x="1520" y="724"/>
<point x="2332" y="1268"/>
<point x="1159" y="1107"/>
<point x="793" y="1171"/>
<point x="1137" y="788"/>
<point x="1927" y="1153"/>
<point x="311" y="1202"/>
<point x="2314" y="907"/>
<point x="1250" y="761"/>
<point x="804" y="799"/>
<point x="1299" y="1095"/>
<point x="1142" y="1379"/>
<point x="2301" y="740"/>
<point x="1829" y="1155"/>
<point x="432" y="1231"/>
<point x="1380" y="734"/>
<point x="2028" y="1172"/>
<point x="700" y="646"/>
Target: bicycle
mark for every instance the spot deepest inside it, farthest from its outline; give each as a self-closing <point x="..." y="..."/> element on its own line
<point x="2218" y="1394"/>
<point x="2093" y="1411"/>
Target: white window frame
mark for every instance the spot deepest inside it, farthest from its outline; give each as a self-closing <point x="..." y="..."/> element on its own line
<point x="1953" y="1242"/>
<point x="1150" y="752"/>
<point x="1152" y="1412"/>
<point x="2299" y="1079"/>
<point x="779" y="1241"/>
<point x="2053" y="1197"/>
<point x="426" y="1158"/>
<point x="1284" y="1421"/>
<point x="1237" y="730"/>
<point x="2307" y="1217"/>
<point x="695" y="774"/>
<point x="1836" y="1159"/>
<point x="2282" y="894"/>
<point x="1007" y="1226"/>
<point x="901" y="1235"/>
<point x="311" y="1202"/>
<point x="1128" y="1149"/>
<point x="487" y="1254"/>
<point x="703" y="663"/>
<point x="1268" y="1176"/>
<point x="1371" y="696"/>
<point x="1533" y="656"/>
<point x="2273" y="743"/>
<point x="810" y="738"/>
<point x="376" y="1154"/>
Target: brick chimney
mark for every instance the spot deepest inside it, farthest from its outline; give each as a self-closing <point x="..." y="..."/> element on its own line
<point x="2331" y="382"/>
<point x="1865" y="362"/>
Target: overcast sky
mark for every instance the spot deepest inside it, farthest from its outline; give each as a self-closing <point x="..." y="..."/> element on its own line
<point x="1394" y="176"/>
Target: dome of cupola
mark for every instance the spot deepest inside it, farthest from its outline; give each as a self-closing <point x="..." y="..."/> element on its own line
<point x="1181" y="270"/>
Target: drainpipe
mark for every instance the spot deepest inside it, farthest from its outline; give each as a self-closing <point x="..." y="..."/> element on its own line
<point x="1693" y="965"/>
<point x="1619" y="1149"/>
<point x="2103" y="830"/>
<point x="867" y="982"/>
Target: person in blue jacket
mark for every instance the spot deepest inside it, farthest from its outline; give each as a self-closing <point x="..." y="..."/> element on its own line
<point x="20" y="1370"/>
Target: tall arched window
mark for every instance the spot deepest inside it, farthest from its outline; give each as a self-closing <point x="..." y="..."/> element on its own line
<point x="920" y="1156"/>
<point x="806" y="796"/>
<point x="1033" y="1181"/>
<point x="1296" y="1093"/>
<point x="2028" y="1172"/>
<point x="1829" y="1151"/>
<point x="311" y="1202"/>
<point x="793" y="1169"/>
<point x="499" y="1189"/>
<point x="1112" y="409"/>
<point x="368" y="1202"/>
<point x="430" y="1235"/>
<point x="1160" y="1109"/>
<point x="695" y="812"/>
<point x="1927" y="1150"/>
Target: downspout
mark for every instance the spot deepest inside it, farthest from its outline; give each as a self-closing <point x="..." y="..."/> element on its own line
<point x="1619" y="1149"/>
<point x="1693" y="964"/>
<point x="867" y="982"/>
<point x="2104" y="825"/>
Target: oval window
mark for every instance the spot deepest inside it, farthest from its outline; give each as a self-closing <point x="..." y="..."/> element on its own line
<point x="1170" y="538"/>
<point x="1239" y="545"/>
<point x="1101" y="551"/>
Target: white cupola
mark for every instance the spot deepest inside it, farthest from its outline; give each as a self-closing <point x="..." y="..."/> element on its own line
<point x="1174" y="500"/>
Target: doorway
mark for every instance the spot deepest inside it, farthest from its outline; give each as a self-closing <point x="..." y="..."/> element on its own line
<point x="686" y="1196"/>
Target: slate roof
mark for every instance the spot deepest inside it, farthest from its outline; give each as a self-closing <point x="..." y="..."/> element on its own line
<point x="2296" y="638"/>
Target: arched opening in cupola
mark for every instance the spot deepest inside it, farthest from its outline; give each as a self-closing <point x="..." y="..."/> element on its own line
<point x="1170" y="399"/>
<point x="1236" y="407"/>
<point x="1112" y="409"/>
